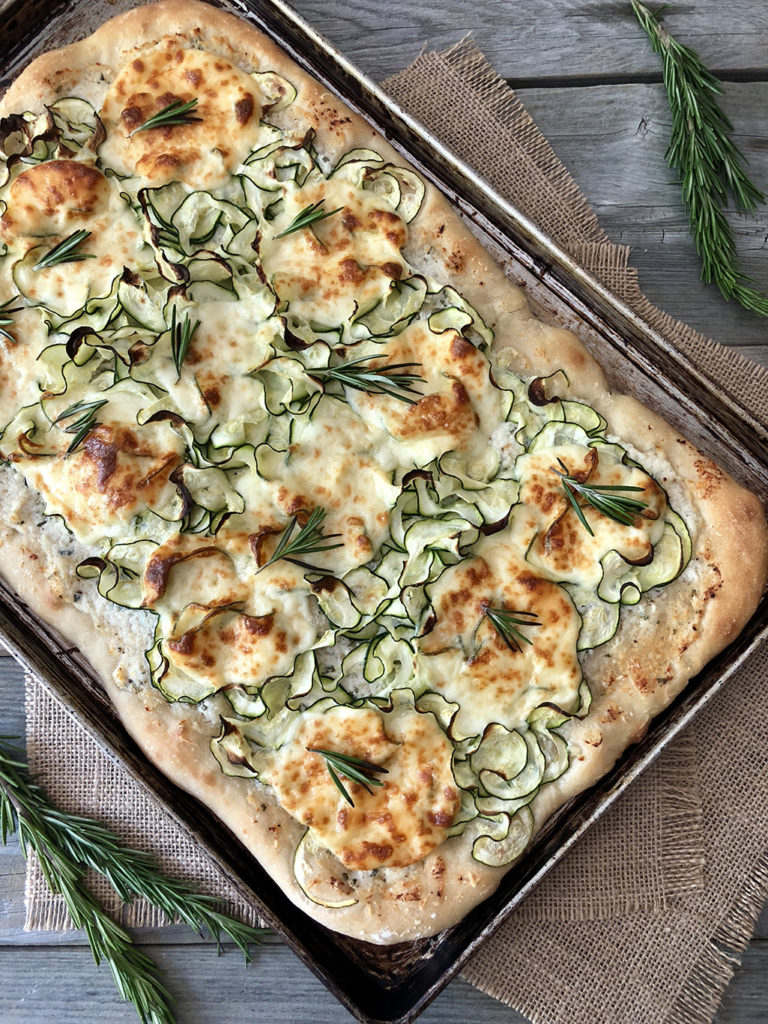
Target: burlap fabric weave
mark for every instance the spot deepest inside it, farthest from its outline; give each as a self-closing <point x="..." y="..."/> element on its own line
<point x="644" y="920"/>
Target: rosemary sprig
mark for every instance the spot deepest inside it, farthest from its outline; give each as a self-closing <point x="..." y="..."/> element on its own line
<point x="507" y="621"/>
<point x="608" y="499"/>
<point x="307" y="541"/>
<point x="66" y="251"/>
<point x="309" y="215"/>
<point x="709" y="164"/>
<point x="356" y="769"/>
<point x="66" y="845"/>
<point x="6" y="317"/>
<point x="393" y="379"/>
<point x="85" y="422"/>
<point x="181" y="337"/>
<point x="177" y="112"/>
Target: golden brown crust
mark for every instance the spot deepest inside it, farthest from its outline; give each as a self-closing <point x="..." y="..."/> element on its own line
<point x="697" y="615"/>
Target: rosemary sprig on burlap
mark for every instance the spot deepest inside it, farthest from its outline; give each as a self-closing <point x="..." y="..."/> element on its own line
<point x="709" y="164"/>
<point x="66" y="845"/>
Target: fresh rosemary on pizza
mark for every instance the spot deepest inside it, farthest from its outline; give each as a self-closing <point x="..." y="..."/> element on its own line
<point x="369" y="558"/>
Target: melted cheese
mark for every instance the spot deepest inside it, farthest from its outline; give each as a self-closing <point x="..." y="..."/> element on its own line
<point x="53" y="198"/>
<point x="115" y="473"/>
<point x="201" y="154"/>
<point x="466" y="660"/>
<point x="548" y="529"/>
<point x="397" y="823"/>
<point x="459" y="404"/>
<point x="20" y="372"/>
<point x="224" y="622"/>
<point x="340" y="266"/>
<point x="115" y="242"/>
<point x="339" y="465"/>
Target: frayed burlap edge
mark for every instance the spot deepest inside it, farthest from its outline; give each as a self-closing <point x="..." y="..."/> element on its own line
<point x="705" y="986"/>
<point x="83" y="779"/>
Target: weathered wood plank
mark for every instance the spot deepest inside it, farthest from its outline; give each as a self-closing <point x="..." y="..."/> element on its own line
<point x="276" y="989"/>
<point x="545" y="38"/>
<point x="612" y="139"/>
<point x="206" y="989"/>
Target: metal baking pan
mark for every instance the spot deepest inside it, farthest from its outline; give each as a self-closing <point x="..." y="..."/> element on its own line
<point x="394" y="984"/>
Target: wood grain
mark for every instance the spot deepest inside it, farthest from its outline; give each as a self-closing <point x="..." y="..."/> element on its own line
<point x="612" y="139"/>
<point x="541" y="39"/>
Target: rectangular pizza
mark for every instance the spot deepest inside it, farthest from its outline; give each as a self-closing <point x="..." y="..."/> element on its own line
<point x="369" y="558"/>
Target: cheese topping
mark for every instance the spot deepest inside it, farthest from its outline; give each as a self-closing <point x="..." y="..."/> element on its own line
<point x="548" y="529"/>
<point x="115" y="474"/>
<point x="395" y="824"/>
<point x="465" y="658"/>
<point x="339" y="267"/>
<point x="201" y="153"/>
<point x="51" y="198"/>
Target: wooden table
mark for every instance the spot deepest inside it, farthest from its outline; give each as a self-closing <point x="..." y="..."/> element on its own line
<point x="587" y="76"/>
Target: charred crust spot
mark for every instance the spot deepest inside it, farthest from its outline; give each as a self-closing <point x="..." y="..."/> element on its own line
<point x="258" y="625"/>
<point x="380" y="851"/>
<point x="182" y="645"/>
<point x="104" y="456"/>
<point x="244" y="109"/>
<point x="132" y="117"/>
<point x="350" y="271"/>
<point x="393" y="270"/>
<point x="158" y="569"/>
<point x="167" y="160"/>
<point x="194" y="77"/>
<point x="440" y="818"/>
<point x="461" y="348"/>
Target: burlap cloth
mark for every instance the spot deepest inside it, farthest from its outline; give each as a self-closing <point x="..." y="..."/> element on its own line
<point x="645" y="919"/>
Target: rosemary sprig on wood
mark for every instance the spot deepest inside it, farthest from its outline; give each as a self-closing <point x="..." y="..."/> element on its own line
<point x="85" y="422"/>
<point x="309" y="540"/>
<point x="356" y="769"/>
<point x="507" y="623"/>
<point x="393" y="379"/>
<point x="709" y="164"/>
<point x="66" y="845"/>
<point x="309" y="215"/>
<point x="609" y="499"/>
<point x="66" y="251"/>
<point x="7" y="310"/>
<point x="181" y="338"/>
<point x="177" y="112"/>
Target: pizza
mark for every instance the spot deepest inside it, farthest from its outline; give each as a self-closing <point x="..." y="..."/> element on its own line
<point x="368" y="556"/>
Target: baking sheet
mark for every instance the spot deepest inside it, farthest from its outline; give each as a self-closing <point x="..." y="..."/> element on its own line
<point x="394" y="984"/>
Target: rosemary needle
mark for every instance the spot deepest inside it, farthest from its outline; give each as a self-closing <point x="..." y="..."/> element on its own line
<point x="67" y="251"/>
<point x="394" y="379"/>
<point x="609" y="499"/>
<point x="506" y="622"/>
<point x="175" y="113"/>
<point x="356" y="769"/>
<point x="7" y="311"/>
<point x="309" y="215"/>
<point x="181" y="338"/>
<point x="709" y="164"/>
<point x="85" y="422"/>
<point x="309" y="540"/>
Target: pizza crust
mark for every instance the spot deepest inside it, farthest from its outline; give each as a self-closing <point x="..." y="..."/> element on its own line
<point x="691" y="620"/>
